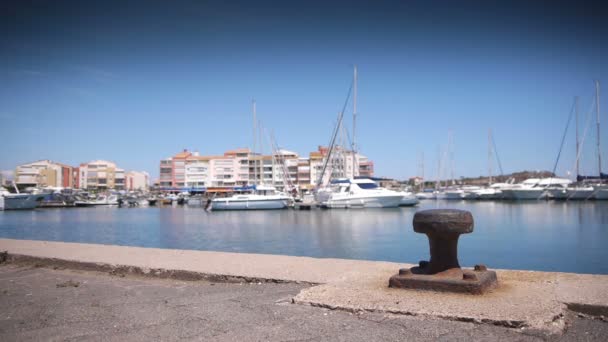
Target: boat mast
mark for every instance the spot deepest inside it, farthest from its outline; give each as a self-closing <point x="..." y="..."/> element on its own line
<point x="422" y="169"/>
<point x="451" y="152"/>
<point x="489" y="156"/>
<point x="353" y="145"/>
<point x="261" y="134"/>
<point x="577" y="141"/>
<point x="597" y="106"/>
<point x="255" y="169"/>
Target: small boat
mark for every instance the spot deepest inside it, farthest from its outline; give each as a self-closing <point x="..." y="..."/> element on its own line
<point x="10" y="201"/>
<point x="101" y="200"/>
<point x="262" y="197"/>
<point x="152" y="201"/>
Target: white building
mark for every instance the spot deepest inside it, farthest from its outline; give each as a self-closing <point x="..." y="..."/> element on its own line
<point x="101" y="175"/>
<point x="136" y="180"/>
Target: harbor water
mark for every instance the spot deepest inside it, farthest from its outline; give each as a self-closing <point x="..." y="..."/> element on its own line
<point x="537" y="235"/>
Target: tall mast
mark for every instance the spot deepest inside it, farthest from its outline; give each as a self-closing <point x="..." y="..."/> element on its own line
<point x="438" y="182"/>
<point x="261" y="134"/>
<point x="577" y="141"/>
<point x="422" y="165"/>
<point x="353" y="147"/>
<point x="451" y="152"/>
<point x="597" y="106"/>
<point x="490" y="155"/>
<point x="255" y="169"/>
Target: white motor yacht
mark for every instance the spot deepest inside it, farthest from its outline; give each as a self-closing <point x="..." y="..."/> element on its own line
<point x="10" y="201"/>
<point x="534" y="188"/>
<point x="262" y="197"/>
<point x="358" y="193"/>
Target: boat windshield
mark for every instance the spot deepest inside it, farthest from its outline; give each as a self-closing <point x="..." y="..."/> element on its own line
<point x="367" y="185"/>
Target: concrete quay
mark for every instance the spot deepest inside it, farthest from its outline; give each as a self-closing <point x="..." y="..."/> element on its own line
<point x="533" y="303"/>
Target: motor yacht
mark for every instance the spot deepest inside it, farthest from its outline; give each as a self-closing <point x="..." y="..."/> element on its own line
<point x="534" y="188"/>
<point x="261" y="197"/>
<point x="10" y="201"/>
<point x="357" y="193"/>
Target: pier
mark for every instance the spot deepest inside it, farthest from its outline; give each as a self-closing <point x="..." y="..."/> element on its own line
<point x="536" y="303"/>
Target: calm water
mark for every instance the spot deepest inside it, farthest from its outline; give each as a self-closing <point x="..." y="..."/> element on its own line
<point x="550" y="236"/>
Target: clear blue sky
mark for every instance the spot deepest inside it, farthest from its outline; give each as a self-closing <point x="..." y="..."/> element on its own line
<point x="138" y="82"/>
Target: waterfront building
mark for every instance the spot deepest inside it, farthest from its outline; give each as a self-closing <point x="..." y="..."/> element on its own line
<point x="282" y="169"/>
<point x="44" y="173"/>
<point x="137" y="180"/>
<point x="100" y="175"/>
<point x="341" y="165"/>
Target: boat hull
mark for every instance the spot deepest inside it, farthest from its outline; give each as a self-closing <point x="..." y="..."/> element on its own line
<point x="524" y="194"/>
<point x="571" y="194"/>
<point x="601" y="194"/>
<point x="21" y="201"/>
<point x="231" y="204"/>
<point x="363" y="202"/>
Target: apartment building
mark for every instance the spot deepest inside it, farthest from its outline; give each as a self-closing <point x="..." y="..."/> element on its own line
<point x="341" y="165"/>
<point x="100" y="175"/>
<point x="136" y="180"/>
<point x="44" y="173"/>
<point x="284" y="169"/>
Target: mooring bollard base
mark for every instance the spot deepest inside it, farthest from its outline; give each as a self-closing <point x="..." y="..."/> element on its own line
<point x="477" y="281"/>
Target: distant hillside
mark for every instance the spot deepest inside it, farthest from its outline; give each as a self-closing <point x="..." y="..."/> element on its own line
<point x="484" y="180"/>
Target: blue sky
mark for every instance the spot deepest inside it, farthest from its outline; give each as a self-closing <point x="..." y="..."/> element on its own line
<point x="136" y="82"/>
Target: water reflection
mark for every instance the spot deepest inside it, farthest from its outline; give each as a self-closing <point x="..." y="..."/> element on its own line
<point x="557" y="236"/>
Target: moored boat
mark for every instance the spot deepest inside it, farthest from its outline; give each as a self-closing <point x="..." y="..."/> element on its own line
<point x="358" y="193"/>
<point x="261" y="198"/>
<point x="10" y="201"/>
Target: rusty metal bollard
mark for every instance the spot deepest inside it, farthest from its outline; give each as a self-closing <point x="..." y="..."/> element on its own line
<point x="443" y="227"/>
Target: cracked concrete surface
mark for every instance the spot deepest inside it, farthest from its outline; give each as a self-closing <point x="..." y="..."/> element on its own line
<point x="106" y="307"/>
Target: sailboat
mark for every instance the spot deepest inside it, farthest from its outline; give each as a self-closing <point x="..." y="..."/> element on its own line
<point x="352" y="192"/>
<point x="257" y="197"/>
<point x="583" y="190"/>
